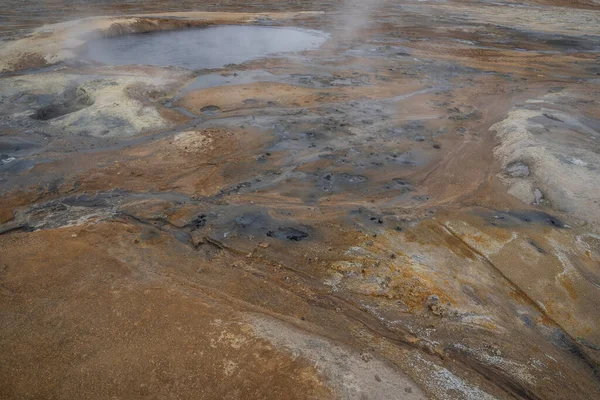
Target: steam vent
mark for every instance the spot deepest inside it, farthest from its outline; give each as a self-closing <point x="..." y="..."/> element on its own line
<point x="341" y="199"/>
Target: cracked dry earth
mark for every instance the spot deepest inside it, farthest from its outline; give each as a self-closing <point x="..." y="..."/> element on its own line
<point x="408" y="211"/>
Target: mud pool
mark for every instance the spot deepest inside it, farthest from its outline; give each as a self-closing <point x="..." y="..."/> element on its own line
<point x="205" y="48"/>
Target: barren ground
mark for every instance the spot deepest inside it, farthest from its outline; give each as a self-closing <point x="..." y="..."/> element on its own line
<point x="410" y="211"/>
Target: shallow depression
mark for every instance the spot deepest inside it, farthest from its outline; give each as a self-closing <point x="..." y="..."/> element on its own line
<point x="203" y="48"/>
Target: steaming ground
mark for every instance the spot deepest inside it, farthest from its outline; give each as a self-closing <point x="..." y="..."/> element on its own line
<point x="401" y="202"/>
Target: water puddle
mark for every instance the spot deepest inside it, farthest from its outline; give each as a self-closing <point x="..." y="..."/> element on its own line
<point x="212" y="47"/>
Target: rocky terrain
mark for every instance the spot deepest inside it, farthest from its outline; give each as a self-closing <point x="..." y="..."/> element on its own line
<point x="407" y="210"/>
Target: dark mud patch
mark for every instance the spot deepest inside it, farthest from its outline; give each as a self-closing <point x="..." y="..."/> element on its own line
<point x="572" y="43"/>
<point x="234" y="189"/>
<point x="288" y="233"/>
<point x="366" y="219"/>
<point x="537" y="247"/>
<point x="9" y="164"/>
<point x="340" y="181"/>
<point x="210" y="110"/>
<point x="400" y="184"/>
<point x="14" y="144"/>
<point x="521" y="218"/>
<point x="69" y="102"/>
<point x="259" y="224"/>
<point x="552" y="117"/>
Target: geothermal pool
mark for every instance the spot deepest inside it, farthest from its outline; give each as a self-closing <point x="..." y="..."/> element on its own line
<point x="203" y="48"/>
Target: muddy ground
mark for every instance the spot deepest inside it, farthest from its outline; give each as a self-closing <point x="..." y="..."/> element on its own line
<point x="410" y="211"/>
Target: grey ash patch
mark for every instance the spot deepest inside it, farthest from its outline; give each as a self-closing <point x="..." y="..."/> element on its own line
<point x="234" y="189"/>
<point x="457" y="115"/>
<point x="517" y="169"/>
<point x="399" y="184"/>
<point x="339" y="181"/>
